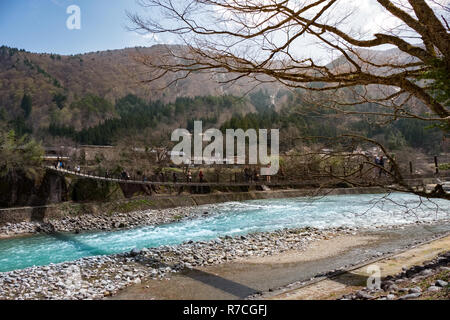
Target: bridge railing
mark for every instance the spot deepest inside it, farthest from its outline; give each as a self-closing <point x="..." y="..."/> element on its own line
<point x="239" y="180"/>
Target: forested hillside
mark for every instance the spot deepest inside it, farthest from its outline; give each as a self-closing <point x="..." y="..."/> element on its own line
<point x="79" y="90"/>
<point x="301" y="123"/>
<point x="99" y="98"/>
<point x="136" y="115"/>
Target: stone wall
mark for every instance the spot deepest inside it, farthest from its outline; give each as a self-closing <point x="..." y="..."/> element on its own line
<point x="17" y="189"/>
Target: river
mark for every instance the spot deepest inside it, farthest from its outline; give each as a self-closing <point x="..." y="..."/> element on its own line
<point x="234" y="218"/>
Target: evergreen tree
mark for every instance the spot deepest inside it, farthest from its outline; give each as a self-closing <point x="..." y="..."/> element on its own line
<point x="26" y="105"/>
<point x="59" y="99"/>
<point x="19" y="153"/>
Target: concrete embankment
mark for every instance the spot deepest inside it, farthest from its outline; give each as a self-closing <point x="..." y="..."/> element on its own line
<point x="68" y="209"/>
<point x="356" y="278"/>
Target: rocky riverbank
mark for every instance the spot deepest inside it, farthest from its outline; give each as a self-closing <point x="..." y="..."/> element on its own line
<point x="99" y="222"/>
<point x="102" y="276"/>
<point x="98" y="277"/>
<point x="427" y="281"/>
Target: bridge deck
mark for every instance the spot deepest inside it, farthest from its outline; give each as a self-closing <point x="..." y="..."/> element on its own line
<point x="329" y="180"/>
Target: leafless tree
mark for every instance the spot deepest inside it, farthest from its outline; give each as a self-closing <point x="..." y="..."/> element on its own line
<point x="257" y="39"/>
<point x="263" y="40"/>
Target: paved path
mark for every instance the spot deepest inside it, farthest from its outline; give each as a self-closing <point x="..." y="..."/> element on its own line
<point x="355" y="279"/>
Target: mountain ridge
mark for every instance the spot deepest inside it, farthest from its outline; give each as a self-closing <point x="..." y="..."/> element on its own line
<point x="58" y="81"/>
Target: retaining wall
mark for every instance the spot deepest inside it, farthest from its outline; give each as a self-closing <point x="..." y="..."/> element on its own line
<point x="57" y="211"/>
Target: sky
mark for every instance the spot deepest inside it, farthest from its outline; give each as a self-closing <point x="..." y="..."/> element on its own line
<point x="40" y="26"/>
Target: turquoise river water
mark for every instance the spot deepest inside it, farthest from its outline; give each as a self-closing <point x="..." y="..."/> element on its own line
<point x="234" y="218"/>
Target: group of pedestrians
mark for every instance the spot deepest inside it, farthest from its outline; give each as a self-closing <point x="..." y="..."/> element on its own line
<point x="163" y="177"/>
<point x="201" y="176"/>
<point x="59" y="164"/>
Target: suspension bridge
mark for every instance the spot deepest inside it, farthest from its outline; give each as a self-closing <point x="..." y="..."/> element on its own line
<point x="412" y="180"/>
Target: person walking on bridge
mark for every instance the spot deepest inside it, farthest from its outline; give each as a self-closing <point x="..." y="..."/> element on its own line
<point x="377" y="163"/>
<point x="125" y="175"/>
<point x="381" y="163"/>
